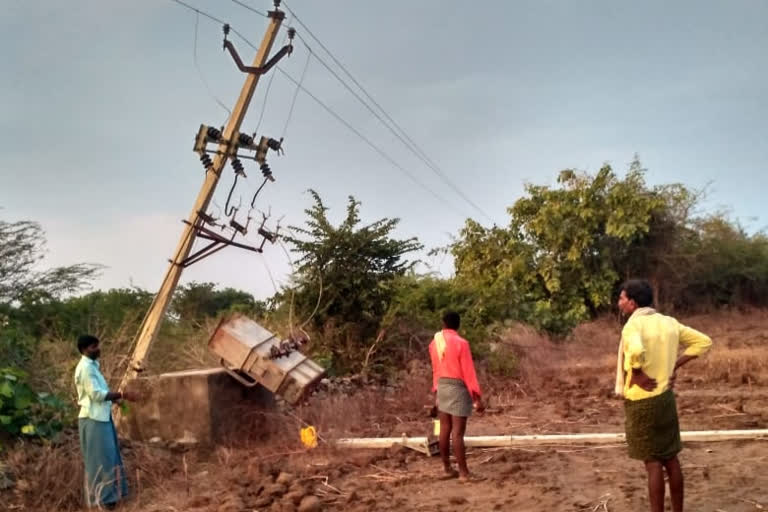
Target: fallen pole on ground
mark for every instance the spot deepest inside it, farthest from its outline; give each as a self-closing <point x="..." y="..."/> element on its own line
<point x="500" y="441"/>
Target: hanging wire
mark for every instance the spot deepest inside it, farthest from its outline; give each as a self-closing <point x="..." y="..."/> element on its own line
<point x="252" y="9"/>
<point x="319" y="293"/>
<point x="200" y="71"/>
<point x="227" y="210"/>
<point x="442" y="201"/>
<point x="296" y="91"/>
<point x="253" y="201"/>
<point x="266" y="94"/>
<point x="392" y="125"/>
<point x="269" y="273"/>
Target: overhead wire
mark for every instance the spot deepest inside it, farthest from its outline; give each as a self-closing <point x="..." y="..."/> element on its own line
<point x="365" y="139"/>
<point x="266" y="94"/>
<point x="331" y="112"/>
<point x="252" y="9"/>
<point x="202" y="76"/>
<point x="296" y="92"/>
<point x="402" y="135"/>
<point x="198" y="11"/>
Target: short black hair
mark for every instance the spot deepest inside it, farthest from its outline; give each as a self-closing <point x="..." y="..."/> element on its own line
<point x="86" y="340"/>
<point x="451" y="320"/>
<point x="640" y="291"/>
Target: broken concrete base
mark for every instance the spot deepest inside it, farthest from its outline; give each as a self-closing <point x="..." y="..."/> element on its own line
<point x="193" y="407"/>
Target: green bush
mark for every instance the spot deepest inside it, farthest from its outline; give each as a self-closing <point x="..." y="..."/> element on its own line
<point x="24" y="412"/>
<point x="567" y="248"/>
<point x="502" y="362"/>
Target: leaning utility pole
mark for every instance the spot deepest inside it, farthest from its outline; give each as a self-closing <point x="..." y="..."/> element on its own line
<point x="227" y="148"/>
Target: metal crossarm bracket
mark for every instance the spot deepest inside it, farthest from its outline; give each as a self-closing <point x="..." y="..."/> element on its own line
<point x="217" y="243"/>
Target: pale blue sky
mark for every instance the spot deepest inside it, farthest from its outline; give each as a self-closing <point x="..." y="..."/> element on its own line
<point x="100" y="102"/>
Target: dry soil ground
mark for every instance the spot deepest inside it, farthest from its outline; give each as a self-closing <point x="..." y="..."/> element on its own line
<point x="562" y="388"/>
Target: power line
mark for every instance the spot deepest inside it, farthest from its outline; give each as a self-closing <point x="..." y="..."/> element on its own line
<point x="330" y="111"/>
<point x="402" y="135"/>
<point x="266" y="94"/>
<point x="198" y="11"/>
<point x="252" y="9"/>
<point x="363" y="137"/>
<point x="296" y="92"/>
<point x="351" y="128"/>
<point x="200" y="71"/>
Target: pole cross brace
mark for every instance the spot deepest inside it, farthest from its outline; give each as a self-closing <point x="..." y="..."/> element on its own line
<point x="285" y="50"/>
<point x="217" y="243"/>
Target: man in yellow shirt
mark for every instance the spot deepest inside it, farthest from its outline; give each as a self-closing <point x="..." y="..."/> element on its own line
<point x="646" y="372"/>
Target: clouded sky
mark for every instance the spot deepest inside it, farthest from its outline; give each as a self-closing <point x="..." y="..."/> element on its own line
<point x="100" y="103"/>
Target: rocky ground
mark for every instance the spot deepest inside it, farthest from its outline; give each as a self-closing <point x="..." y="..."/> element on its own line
<point x="561" y="388"/>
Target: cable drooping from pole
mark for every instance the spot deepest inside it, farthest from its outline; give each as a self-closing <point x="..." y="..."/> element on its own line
<point x="200" y="71"/>
<point x="227" y="210"/>
<point x="395" y="128"/>
<point x="266" y="93"/>
<point x="331" y="112"/>
<point x="296" y="92"/>
<point x="253" y="201"/>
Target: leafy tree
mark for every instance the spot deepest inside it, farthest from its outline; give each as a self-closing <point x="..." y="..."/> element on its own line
<point x="22" y="247"/>
<point x="344" y="276"/>
<point x="25" y="289"/>
<point x="197" y="301"/>
<point x="567" y="247"/>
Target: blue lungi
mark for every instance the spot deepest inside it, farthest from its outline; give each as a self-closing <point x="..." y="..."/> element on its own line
<point x="105" y="481"/>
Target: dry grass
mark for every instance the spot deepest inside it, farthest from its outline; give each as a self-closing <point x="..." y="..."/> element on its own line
<point x="260" y="444"/>
<point x="739" y="354"/>
<point x="50" y="477"/>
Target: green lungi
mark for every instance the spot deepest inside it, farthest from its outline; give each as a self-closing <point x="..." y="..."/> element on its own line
<point x="105" y="481"/>
<point x="652" y="427"/>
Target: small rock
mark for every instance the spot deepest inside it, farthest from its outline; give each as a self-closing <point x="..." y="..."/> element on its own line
<point x="262" y="502"/>
<point x="458" y="500"/>
<point x="310" y="504"/>
<point x="232" y="503"/>
<point x="294" y="497"/>
<point x="275" y="490"/>
<point x="297" y="486"/>
<point x="581" y="501"/>
<point x="198" y="502"/>
<point x="285" y="478"/>
<point x="353" y="497"/>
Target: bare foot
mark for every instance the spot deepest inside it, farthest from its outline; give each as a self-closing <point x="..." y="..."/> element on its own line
<point x="470" y="478"/>
<point x="449" y="474"/>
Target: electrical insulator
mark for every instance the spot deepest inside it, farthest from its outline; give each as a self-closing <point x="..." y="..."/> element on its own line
<point x="206" y="134"/>
<point x="237" y="165"/>
<point x="206" y="161"/>
<point x="275" y="145"/>
<point x="291" y="33"/>
<point x="245" y="140"/>
<point x="239" y="227"/>
<point x="266" y="171"/>
<point x="214" y="135"/>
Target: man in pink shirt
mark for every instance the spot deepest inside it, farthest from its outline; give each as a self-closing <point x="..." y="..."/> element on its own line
<point x="458" y="392"/>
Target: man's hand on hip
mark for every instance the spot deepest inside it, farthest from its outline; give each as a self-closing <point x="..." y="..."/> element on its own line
<point x="643" y="381"/>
